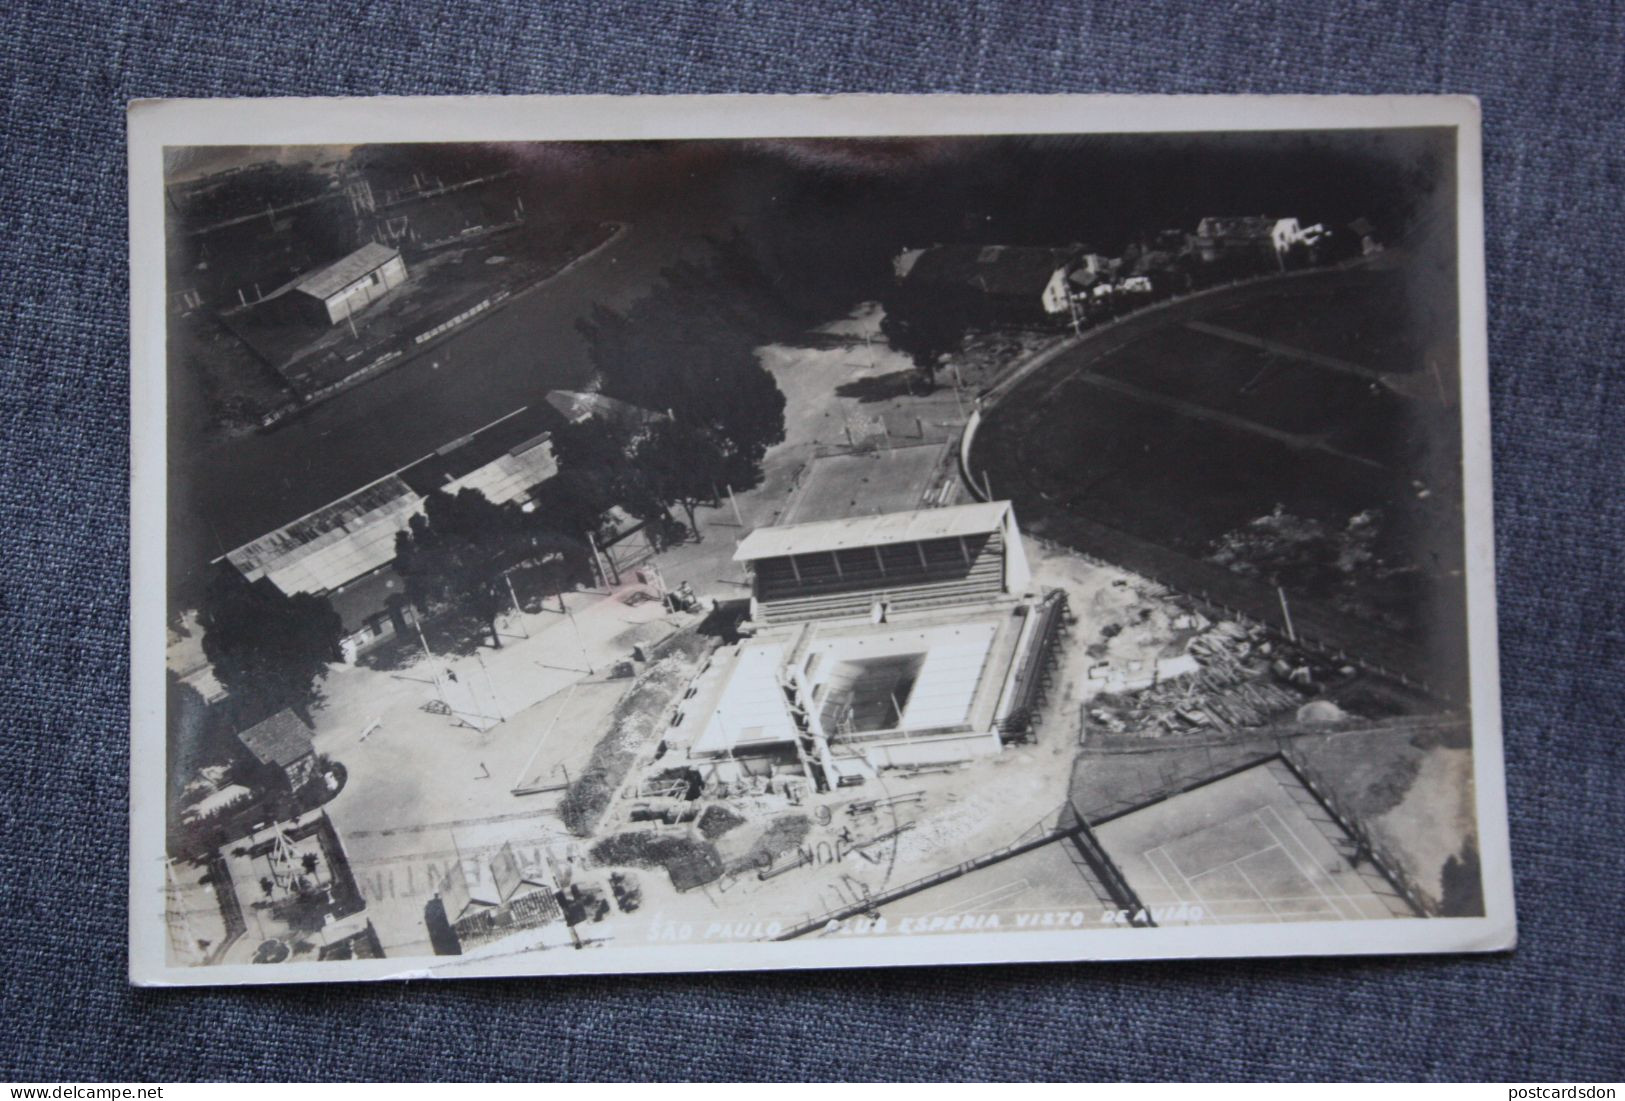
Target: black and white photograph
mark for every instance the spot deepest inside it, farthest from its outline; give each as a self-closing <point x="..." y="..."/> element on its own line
<point x="631" y="535"/>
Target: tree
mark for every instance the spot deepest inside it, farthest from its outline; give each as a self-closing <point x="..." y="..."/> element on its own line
<point x="460" y="548"/>
<point x="688" y="349"/>
<point x="269" y="650"/>
<point x="928" y="322"/>
<point x="457" y="551"/>
<point x="597" y="473"/>
<point x="681" y="465"/>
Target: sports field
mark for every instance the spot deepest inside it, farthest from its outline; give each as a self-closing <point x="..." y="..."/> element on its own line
<point x="1251" y="847"/>
<point x="1330" y="396"/>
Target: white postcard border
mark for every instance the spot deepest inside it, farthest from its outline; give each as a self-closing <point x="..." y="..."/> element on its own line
<point x="154" y="124"/>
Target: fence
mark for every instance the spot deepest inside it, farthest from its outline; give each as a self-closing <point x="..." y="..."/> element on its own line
<point x="1052" y="827"/>
<point x="1076" y="823"/>
<point x="1177" y="780"/>
<point x="231" y="910"/>
<point x="1110" y="877"/>
<point x="1365" y="846"/>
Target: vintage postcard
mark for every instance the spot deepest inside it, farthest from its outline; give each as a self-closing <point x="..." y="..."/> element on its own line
<point x="658" y="534"/>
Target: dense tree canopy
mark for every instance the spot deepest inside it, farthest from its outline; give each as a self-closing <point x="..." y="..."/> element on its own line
<point x="689" y="350"/>
<point x="681" y="465"/>
<point x="458" y="550"/>
<point x="928" y="322"/>
<point x="268" y="649"/>
<point x="597" y="472"/>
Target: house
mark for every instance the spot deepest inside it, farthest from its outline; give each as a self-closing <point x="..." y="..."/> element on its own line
<point x="901" y="640"/>
<point x="1019" y="284"/>
<point x="1091" y="268"/>
<point x="347" y="286"/>
<point x="283" y="742"/>
<point x="1257" y="236"/>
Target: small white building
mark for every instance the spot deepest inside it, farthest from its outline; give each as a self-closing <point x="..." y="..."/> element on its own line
<point x="349" y="285"/>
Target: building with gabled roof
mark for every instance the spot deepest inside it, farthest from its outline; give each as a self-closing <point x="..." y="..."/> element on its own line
<point x="345" y="550"/>
<point x="283" y="742"/>
<point x="351" y="283"/>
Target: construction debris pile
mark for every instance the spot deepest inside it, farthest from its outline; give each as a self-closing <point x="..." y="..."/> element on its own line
<point x="1229" y="676"/>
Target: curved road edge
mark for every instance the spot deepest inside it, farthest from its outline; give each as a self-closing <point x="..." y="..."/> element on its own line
<point x="1319" y="630"/>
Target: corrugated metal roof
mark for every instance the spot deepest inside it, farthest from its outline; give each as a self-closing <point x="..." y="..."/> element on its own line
<point x="872" y="531"/>
<point x="999" y="270"/>
<point x="355" y="535"/>
<point x="341" y="273"/>
<point x="334" y="544"/>
<point x="518" y="431"/>
<point x="512" y="476"/>
<point x="578" y="405"/>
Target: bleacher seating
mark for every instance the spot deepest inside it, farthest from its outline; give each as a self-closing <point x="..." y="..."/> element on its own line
<point x="908" y="576"/>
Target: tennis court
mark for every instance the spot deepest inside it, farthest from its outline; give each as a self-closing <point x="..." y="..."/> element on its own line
<point x="1254" y="846"/>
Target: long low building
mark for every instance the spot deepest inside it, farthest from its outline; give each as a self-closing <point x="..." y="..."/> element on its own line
<point x="345" y="550"/>
<point x="903" y="640"/>
<point x="350" y="284"/>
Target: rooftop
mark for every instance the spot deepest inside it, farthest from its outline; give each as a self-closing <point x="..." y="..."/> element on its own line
<point x="280" y="740"/>
<point x="578" y="405"/>
<point x="328" y="281"/>
<point x="1002" y="270"/>
<point x="1250" y="225"/>
<point x="869" y="531"/>
<point x="954" y="662"/>
<point x="504" y="460"/>
<point x="335" y="544"/>
<point x="355" y="535"/>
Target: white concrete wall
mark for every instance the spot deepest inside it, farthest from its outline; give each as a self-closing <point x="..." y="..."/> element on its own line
<point x="935" y="749"/>
<point x="1017" y="573"/>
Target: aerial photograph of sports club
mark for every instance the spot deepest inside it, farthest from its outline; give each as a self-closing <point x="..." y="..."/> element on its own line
<point x="579" y="546"/>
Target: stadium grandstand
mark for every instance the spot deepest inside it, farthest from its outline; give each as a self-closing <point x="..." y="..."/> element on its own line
<point x="909" y="639"/>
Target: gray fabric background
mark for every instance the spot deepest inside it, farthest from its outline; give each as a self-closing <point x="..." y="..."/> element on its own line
<point x="1552" y="89"/>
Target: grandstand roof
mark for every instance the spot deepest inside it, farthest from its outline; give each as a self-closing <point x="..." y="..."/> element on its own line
<point x="872" y="531"/>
